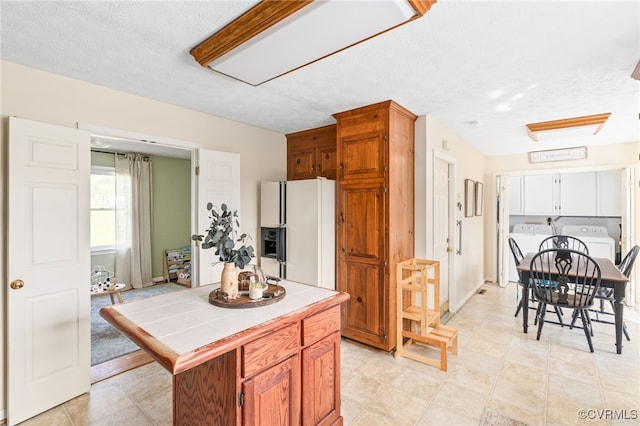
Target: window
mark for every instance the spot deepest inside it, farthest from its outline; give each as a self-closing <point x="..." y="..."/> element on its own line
<point x="103" y="213"/>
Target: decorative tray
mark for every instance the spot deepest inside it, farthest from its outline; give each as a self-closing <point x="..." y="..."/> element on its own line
<point x="276" y="292"/>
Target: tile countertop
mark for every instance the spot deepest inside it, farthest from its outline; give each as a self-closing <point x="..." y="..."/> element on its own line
<point x="185" y="322"/>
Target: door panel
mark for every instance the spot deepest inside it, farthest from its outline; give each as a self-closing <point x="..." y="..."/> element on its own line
<point x="442" y="241"/>
<point x="363" y="314"/>
<point x="218" y="182"/>
<point x="361" y="217"/>
<point x="363" y="156"/>
<point x="321" y="381"/>
<point x="273" y="397"/>
<point x="48" y="319"/>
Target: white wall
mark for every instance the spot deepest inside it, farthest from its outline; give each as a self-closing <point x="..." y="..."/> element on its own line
<point x="470" y="164"/>
<point x="35" y="95"/>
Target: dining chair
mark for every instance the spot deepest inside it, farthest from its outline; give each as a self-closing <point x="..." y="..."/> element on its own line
<point x="567" y="279"/>
<point x="517" y="258"/>
<point x="563" y="242"/>
<point x="606" y="294"/>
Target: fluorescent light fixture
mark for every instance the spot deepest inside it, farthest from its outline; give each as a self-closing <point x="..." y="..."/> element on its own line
<point x="577" y="153"/>
<point x="276" y="37"/>
<point x="588" y="124"/>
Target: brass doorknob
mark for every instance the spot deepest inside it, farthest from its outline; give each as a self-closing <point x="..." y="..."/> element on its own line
<point x="17" y="284"/>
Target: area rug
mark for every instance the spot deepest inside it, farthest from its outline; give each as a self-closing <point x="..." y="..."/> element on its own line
<point x="108" y="343"/>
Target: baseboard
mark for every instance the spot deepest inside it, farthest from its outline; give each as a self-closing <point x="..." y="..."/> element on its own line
<point x="3" y="417"/>
<point x="157" y="279"/>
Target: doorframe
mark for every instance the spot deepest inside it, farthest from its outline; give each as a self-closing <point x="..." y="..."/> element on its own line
<point x="451" y="162"/>
<point x="143" y="139"/>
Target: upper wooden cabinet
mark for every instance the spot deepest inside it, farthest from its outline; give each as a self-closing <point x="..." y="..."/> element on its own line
<point x="375" y="215"/>
<point x="312" y="153"/>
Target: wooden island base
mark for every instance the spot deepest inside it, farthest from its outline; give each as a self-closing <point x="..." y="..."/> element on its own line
<point x="283" y="369"/>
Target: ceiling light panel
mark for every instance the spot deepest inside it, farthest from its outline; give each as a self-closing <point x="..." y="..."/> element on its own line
<point x="319" y="29"/>
<point x="568" y="127"/>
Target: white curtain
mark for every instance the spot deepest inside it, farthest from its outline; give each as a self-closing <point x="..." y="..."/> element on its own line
<point x="133" y="220"/>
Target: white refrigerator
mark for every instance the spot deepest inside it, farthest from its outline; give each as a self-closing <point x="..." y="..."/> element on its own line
<point x="297" y="230"/>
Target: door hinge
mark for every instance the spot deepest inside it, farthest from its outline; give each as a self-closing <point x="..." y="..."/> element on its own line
<point x="384" y="138"/>
<point x="197" y="170"/>
<point x="241" y="399"/>
<point x="385" y="263"/>
<point x="384" y="335"/>
<point x="385" y="189"/>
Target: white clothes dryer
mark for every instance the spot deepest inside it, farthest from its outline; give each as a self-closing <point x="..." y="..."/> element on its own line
<point x="597" y="239"/>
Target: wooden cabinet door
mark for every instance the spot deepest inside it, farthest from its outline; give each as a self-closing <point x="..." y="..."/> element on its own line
<point x="364" y="315"/>
<point x="301" y="164"/>
<point x="361" y="256"/>
<point x="273" y="396"/>
<point x="363" y="155"/>
<point x="321" y="381"/>
<point x="326" y="163"/>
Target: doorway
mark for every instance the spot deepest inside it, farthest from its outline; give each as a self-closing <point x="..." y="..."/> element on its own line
<point x="111" y="352"/>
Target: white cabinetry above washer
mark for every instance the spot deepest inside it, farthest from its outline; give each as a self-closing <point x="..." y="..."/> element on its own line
<point x="540" y="195"/>
<point x="590" y="194"/>
<point x="609" y="193"/>
<point x="577" y="194"/>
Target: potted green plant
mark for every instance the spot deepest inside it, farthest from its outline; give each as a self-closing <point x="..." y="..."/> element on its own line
<point x="222" y="235"/>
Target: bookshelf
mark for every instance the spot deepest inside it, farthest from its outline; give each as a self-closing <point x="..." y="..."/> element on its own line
<point x="177" y="265"/>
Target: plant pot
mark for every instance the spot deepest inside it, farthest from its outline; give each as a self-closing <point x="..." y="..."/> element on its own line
<point x="229" y="280"/>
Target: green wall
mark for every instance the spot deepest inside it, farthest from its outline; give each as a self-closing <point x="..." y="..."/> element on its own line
<point x="171" y="215"/>
<point x="171" y="226"/>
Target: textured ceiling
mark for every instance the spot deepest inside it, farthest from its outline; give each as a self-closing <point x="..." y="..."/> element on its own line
<point x="483" y="69"/>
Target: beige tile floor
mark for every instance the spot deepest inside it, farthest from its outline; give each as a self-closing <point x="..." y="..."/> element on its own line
<point x="501" y="376"/>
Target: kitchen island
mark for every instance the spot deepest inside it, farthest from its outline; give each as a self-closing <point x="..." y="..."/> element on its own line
<point x="277" y="364"/>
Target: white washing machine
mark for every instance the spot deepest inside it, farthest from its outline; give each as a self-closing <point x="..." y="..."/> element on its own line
<point x="597" y="239"/>
<point x="528" y="236"/>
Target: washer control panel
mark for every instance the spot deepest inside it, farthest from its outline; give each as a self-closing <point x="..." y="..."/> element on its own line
<point x="585" y="230"/>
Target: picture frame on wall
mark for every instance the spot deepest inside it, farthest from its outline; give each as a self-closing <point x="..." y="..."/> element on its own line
<point x="479" y="194"/>
<point x="469" y="197"/>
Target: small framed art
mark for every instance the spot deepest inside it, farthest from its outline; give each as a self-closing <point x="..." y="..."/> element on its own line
<point x="469" y="197"/>
<point x="479" y="197"/>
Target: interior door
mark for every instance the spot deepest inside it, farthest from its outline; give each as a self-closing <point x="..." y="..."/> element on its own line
<point x="503" y="206"/>
<point x="627" y="231"/>
<point x="218" y="182"/>
<point x="442" y="240"/>
<point x="48" y="266"/>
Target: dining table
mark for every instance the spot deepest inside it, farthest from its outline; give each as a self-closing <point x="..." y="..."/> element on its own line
<point x="610" y="277"/>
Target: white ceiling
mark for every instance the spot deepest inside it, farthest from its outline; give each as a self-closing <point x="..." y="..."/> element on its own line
<point x="482" y="68"/>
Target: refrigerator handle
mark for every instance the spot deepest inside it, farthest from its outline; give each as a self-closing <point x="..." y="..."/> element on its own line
<point x="281" y="245"/>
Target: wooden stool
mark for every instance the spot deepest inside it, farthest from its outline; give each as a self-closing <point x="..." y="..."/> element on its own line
<point x="418" y="297"/>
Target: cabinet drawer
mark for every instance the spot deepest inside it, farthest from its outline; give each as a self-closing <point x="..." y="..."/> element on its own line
<point x="270" y="349"/>
<point x="320" y="325"/>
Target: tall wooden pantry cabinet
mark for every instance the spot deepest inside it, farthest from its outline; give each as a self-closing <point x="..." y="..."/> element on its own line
<point x="375" y="216"/>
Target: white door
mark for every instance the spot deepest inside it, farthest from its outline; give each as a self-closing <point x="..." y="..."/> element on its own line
<point x="218" y="182"/>
<point x="505" y="260"/>
<point x="442" y="240"/>
<point x="48" y="318"/>
<point x="627" y="229"/>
